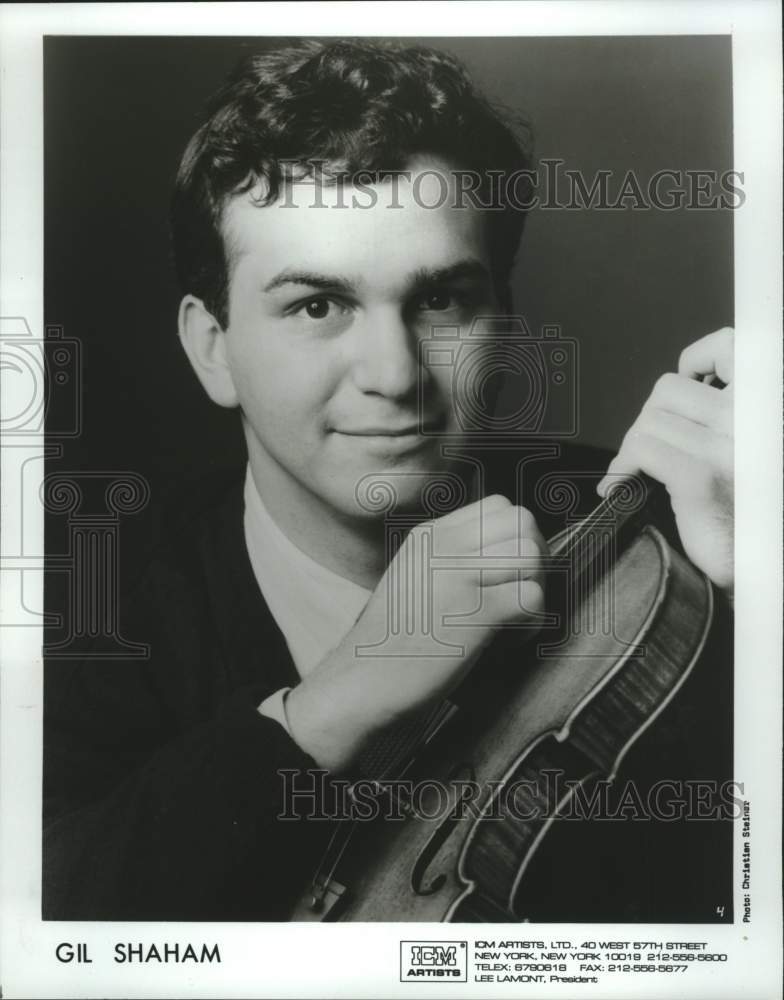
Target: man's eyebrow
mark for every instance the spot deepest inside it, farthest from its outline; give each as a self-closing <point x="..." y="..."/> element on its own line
<point x="423" y="277"/>
<point x="469" y="268"/>
<point x="311" y="279"/>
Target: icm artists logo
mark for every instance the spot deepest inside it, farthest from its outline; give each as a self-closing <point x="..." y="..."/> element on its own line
<point x="433" y="960"/>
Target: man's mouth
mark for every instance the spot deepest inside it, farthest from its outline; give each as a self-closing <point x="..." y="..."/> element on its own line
<point x="384" y="431"/>
<point x="432" y="426"/>
<point x="387" y="439"/>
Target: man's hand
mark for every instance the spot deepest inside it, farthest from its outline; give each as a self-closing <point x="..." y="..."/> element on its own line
<point x="684" y="438"/>
<point x="357" y="692"/>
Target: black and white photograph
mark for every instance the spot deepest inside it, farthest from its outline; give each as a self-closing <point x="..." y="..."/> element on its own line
<point x="391" y="504"/>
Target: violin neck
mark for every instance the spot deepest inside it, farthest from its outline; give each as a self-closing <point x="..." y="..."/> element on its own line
<point x="582" y="543"/>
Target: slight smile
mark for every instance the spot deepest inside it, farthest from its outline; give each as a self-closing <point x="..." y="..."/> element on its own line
<point x="398" y="439"/>
<point x="432" y="426"/>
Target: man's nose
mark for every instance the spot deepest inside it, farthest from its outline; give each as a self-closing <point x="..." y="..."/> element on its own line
<point x="386" y="356"/>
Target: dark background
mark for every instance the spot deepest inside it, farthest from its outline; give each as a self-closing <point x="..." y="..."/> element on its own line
<point x="632" y="287"/>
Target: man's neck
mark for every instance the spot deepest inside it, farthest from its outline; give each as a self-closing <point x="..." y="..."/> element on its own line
<point x="354" y="548"/>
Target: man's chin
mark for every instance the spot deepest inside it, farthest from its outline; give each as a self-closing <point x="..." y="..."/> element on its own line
<point x="408" y="488"/>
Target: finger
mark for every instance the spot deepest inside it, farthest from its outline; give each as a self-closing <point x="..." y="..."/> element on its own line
<point x="702" y="444"/>
<point x="680" y="432"/>
<point x="695" y="401"/>
<point x="483" y="507"/>
<point x="511" y="523"/>
<point x="681" y="472"/>
<point x="516" y="601"/>
<point x="509" y="560"/>
<point x="461" y="530"/>
<point x="713" y="354"/>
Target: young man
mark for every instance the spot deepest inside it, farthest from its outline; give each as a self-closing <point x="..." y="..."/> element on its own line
<point x="322" y="232"/>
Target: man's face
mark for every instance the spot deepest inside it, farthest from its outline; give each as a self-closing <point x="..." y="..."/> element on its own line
<point x="327" y="308"/>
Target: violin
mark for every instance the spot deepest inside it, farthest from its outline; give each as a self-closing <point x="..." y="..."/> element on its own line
<point x="628" y="617"/>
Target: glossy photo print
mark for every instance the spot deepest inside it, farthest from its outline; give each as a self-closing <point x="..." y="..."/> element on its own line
<point x="380" y="495"/>
<point x="406" y="573"/>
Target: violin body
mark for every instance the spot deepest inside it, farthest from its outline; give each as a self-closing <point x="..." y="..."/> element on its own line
<point x="570" y="703"/>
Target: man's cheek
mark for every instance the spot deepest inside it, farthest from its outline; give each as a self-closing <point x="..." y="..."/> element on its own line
<point x="442" y="392"/>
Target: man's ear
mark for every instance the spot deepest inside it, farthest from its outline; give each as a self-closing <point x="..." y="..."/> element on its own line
<point x="204" y="341"/>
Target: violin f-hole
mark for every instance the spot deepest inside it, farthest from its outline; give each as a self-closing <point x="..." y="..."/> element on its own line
<point x="463" y="778"/>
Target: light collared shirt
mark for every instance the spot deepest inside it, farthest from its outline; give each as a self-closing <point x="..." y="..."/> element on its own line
<point x="313" y="607"/>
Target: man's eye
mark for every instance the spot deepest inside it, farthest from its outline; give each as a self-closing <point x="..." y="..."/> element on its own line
<point x="320" y="307"/>
<point x="317" y="308"/>
<point x="437" y="301"/>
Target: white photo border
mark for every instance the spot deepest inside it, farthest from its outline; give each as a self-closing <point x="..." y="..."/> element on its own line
<point x="362" y="959"/>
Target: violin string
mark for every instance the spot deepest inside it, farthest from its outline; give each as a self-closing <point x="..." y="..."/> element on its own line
<point x="320" y="890"/>
<point x="575" y="544"/>
<point x="581" y="538"/>
<point x="341" y="852"/>
<point x="322" y="862"/>
<point x="580" y="547"/>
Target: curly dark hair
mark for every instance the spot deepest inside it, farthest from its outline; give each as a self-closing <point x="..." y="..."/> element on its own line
<point x="357" y="106"/>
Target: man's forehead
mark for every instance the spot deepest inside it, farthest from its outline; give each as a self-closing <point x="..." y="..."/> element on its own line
<point x="407" y="222"/>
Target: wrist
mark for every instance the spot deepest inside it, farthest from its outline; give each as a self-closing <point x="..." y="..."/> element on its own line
<point x="323" y="726"/>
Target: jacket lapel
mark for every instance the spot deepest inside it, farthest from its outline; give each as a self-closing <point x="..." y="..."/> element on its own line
<point x="256" y="650"/>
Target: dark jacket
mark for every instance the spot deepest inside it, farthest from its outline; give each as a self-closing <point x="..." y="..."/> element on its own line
<point x="161" y="784"/>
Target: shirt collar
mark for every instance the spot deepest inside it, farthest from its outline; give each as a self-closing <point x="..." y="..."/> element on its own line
<point x="313" y="606"/>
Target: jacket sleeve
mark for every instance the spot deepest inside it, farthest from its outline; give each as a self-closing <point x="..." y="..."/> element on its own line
<point x="162" y="789"/>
